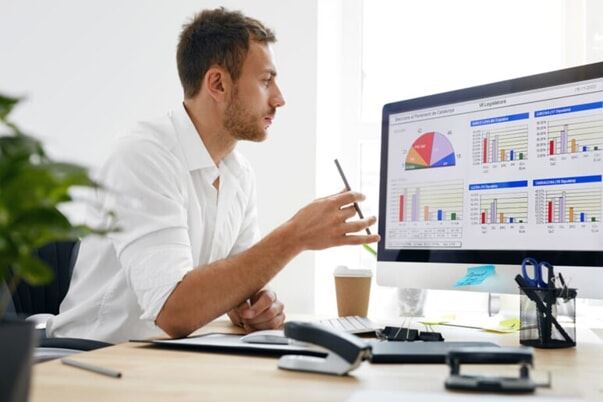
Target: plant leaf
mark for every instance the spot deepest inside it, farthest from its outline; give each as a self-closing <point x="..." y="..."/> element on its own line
<point x="6" y="105"/>
<point x="31" y="187"/>
<point x="33" y="270"/>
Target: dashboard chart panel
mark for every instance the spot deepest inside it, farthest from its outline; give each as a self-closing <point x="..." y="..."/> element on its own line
<point x="531" y="182"/>
<point x="430" y="150"/>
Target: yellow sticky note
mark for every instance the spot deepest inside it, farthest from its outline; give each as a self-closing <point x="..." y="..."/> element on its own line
<point x="505" y="326"/>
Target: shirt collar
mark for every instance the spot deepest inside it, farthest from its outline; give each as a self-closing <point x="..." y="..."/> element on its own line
<point x="193" y="148"/>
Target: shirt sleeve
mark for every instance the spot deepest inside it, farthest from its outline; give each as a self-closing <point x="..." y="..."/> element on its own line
<point x="148" y="194"/>
<point x="249" y="234"/>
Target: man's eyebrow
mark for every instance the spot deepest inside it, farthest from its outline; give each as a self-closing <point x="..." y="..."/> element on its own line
<point x="270" y="71"/>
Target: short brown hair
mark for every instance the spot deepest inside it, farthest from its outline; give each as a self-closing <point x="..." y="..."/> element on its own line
<point x="216" y="37"/>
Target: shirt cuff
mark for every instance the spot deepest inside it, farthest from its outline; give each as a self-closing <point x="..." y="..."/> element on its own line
<point x="154" y="268"/>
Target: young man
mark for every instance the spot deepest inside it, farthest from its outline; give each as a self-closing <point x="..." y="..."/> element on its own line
<point x="189" y="248"/>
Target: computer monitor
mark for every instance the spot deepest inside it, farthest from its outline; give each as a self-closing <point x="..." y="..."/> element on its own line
<point x="490" y="175"/>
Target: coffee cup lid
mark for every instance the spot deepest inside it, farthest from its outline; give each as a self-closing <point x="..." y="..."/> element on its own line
<point x="342" y="270"/>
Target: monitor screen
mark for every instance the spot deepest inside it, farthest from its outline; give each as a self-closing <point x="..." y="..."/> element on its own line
<point x="495" y="173"/>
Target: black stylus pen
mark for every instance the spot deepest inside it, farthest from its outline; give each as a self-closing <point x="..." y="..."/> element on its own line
<point x="347" y="187"/>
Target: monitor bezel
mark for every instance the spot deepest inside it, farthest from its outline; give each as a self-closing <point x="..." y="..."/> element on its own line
<point x="507" y="87"/>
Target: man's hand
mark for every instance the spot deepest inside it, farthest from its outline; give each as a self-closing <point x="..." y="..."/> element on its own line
<point x="264" y="312"/>
<point x="324" y="223"/>
<point x="209" y="290"/>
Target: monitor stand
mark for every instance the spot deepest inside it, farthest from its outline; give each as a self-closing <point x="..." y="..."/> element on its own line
<point x="494" y="302"/>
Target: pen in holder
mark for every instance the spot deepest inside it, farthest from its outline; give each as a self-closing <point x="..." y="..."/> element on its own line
<point x="547" y="316"/>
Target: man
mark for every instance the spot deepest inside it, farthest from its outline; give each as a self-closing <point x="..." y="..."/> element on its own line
<point x="189" y="248"/>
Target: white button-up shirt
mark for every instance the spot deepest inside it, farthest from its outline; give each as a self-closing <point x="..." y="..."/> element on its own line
<point x="171" y="219"/>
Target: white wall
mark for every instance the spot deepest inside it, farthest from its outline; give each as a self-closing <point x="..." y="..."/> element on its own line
<point x="90" y="69"/>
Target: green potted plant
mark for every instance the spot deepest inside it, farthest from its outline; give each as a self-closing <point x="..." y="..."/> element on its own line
<point x="32" y="185"/>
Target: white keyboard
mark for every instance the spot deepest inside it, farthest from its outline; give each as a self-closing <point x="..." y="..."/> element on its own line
<point x="351" y="324"/>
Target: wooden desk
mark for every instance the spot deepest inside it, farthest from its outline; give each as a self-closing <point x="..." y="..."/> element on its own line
<point x="152" y="374"/>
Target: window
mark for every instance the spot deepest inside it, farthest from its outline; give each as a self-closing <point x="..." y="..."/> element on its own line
<point x="378" y="51"/>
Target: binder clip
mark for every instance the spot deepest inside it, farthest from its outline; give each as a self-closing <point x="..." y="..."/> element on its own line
<point x="404" y="334"/>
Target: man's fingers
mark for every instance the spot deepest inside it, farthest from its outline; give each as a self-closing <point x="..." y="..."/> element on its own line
<point x="348" y="212"/>
<point x="346" y="198"/>
<point x="359" y="239"/>
<point x="267" y="315"/>
<point x="357" y="226"/>
<point x="235" y="318"/>
<point x="263" y="302"/>
<point x="241" y="308"/>
<point x="274" y="323"/>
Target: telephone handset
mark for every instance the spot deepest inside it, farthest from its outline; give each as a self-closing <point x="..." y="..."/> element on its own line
<point x="345" y="352"/>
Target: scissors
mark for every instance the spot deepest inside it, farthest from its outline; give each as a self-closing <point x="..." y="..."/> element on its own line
<point x="536" y="281"/>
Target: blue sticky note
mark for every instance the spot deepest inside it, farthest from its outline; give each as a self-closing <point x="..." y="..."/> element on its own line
<point x="476" y="275"/>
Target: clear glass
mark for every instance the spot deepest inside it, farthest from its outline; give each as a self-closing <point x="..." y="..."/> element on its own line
<point x="411" y="302"/>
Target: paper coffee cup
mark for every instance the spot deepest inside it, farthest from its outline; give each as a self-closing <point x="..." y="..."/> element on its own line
<point x="353" y="288"/>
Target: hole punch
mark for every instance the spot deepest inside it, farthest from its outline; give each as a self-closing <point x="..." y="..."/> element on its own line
<point x="507" y="385"/>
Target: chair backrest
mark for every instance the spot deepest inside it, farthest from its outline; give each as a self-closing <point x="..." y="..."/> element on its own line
<point x="61" y="257"/>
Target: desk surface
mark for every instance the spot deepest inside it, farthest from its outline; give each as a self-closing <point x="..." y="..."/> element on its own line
<point x="153" y="374"/>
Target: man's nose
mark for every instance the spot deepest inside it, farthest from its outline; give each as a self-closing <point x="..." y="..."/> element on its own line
<point x="277" y="99"/>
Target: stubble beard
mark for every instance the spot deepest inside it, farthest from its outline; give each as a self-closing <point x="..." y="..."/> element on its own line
<point x="240" y="122"/>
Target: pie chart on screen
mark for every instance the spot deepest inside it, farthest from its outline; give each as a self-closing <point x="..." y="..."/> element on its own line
<point x="430" y="150"/>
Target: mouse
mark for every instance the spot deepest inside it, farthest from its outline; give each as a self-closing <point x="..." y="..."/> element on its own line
<point x="270" y="336"/>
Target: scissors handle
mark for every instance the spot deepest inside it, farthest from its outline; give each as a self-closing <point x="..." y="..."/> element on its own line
<point x="536" y="280"/>
<point x="550" y="274"/>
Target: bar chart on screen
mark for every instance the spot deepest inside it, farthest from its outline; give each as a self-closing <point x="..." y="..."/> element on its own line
<point x="499" y="206"/>
<point x="500" y="145"/>
<point x="568" y="133"/>
<point x="426" y="214"/>
<point x="575" y="205"/>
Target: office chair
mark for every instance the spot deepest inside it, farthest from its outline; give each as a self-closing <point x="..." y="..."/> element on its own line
<point x="29" y="300"/>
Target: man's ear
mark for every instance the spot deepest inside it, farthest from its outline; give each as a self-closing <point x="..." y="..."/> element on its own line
<point x="218" y="83"/>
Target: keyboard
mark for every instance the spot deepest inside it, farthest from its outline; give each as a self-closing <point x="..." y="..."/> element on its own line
<point x="351" y="324"/>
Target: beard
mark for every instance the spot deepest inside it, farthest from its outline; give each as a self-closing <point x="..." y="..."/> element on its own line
<point x="240" y="122"/>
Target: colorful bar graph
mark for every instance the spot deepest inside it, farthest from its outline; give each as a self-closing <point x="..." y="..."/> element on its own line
<point x="574" y="135"/>
<point x="500" y="144"/>
<point x="570" y="205"/>
<point x="502" y="208"/>
<point x="428" y="203"/>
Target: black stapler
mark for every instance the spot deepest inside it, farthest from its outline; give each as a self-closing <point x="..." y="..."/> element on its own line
<point x="345" y="352"/>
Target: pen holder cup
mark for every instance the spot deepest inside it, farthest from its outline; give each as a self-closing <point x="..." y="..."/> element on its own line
<point x="550" y="323"/>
